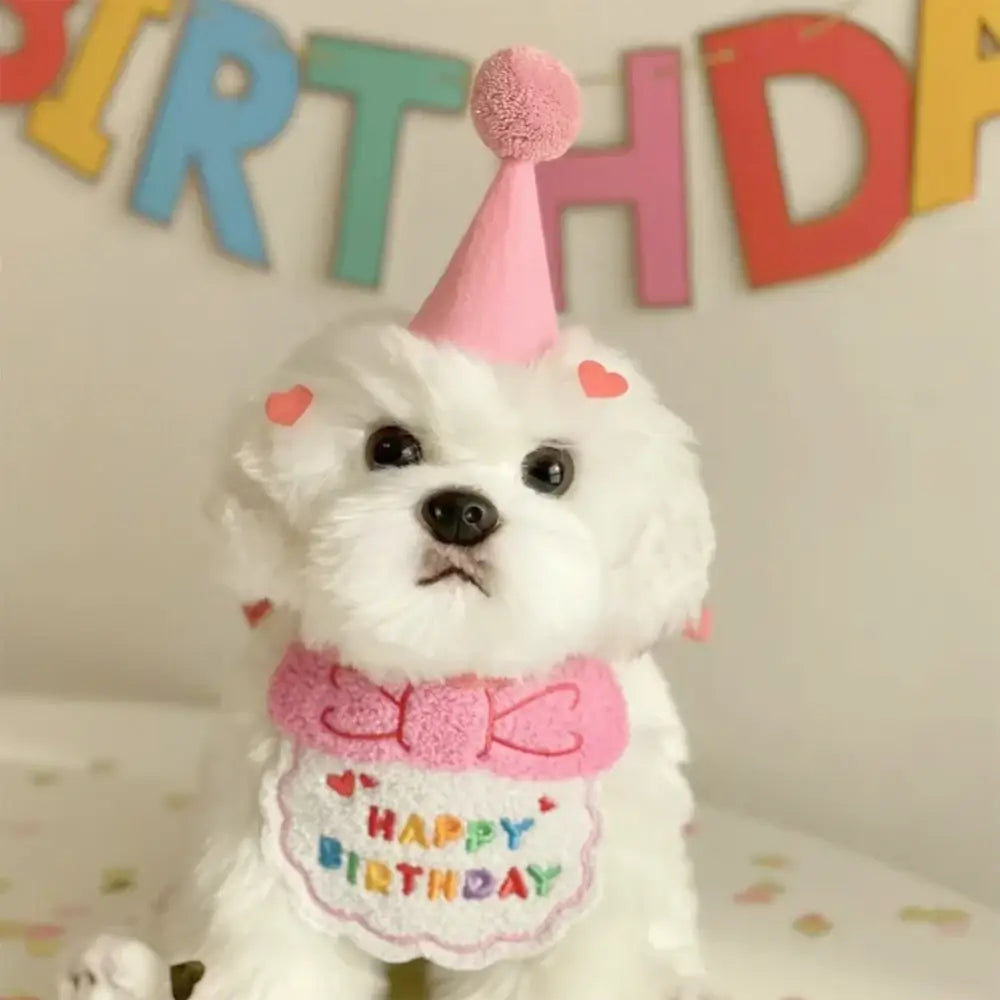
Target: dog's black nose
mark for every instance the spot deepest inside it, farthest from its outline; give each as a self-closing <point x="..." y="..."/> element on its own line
<point x="459" y="517"/>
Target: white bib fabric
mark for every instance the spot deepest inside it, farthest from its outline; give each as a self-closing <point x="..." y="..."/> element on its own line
<point x="462" y="868"/>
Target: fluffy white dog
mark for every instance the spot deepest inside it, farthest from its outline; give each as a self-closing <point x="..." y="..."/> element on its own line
<point x="453" y="519"/>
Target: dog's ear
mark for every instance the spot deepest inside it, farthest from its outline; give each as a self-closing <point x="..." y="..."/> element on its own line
<point x="283" y="446"/>
<point x="260" y="551"/>
<point x="253" y="506"/>
<point x="659" y="576"/>
<point x="659" y="585"/>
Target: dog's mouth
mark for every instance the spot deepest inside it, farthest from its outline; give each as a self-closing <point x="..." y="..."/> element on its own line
<point x="440" y="565"/>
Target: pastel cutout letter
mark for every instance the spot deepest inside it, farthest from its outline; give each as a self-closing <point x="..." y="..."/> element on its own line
<point x="33" y="68"/>
<point x="958" y="88"/>
<point x="198" y="129"/>
<point x="739" y="63"/>
<point x="647" y="173"/>
<point x="68" y="124"/>
<point x="383" y="83"/>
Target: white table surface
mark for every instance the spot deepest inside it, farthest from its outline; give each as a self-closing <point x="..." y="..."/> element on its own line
<point x="93" y="806"/>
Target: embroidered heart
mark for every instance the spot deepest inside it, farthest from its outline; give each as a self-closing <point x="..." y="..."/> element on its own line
<point x="367" y="781"/>
<point x="546" y="804"/>
<point x="342" y="784"/>
<point x="285" y="408"/>
<point x="256" y="613"/>
<point x="599" y="383"/>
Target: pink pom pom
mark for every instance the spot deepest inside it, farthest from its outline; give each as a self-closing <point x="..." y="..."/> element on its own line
<point x="526" y="105"/>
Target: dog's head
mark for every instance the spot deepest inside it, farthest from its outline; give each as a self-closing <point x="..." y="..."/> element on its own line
<point x="430" y="514"/>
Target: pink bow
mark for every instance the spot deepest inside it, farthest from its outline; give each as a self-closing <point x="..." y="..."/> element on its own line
<point x="571" y="724"/>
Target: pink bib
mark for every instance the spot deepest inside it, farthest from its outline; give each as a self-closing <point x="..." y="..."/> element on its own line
<point x="571" y="724"/>
<point x="454" y="821"/>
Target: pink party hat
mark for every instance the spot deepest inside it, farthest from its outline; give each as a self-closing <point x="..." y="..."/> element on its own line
<point x="495" y="298"/>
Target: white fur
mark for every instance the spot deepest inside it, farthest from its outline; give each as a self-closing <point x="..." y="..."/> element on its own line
<point x="604" y="570"/>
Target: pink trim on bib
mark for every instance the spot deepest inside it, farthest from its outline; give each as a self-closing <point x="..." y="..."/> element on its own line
<point x="571" y="724"/>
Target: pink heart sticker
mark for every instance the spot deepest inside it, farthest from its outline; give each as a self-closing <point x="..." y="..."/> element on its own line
<point x="256" y="613"/>
<point x="700" y="630"/>
<point x="599" y="383"/>
<point x="286" y="408"/>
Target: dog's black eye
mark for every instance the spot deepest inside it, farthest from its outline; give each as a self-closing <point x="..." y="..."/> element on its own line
<point x="548" y="470"/>
<point x="392" y="448"/>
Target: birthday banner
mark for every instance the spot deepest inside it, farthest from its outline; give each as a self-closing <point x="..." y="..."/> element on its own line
<point x="920" y="128"/>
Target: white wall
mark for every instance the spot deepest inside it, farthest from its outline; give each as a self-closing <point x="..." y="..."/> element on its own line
<point x="849" y="426"/>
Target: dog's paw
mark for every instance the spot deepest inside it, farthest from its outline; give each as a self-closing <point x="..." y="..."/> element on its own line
<point x="116" y="968"/>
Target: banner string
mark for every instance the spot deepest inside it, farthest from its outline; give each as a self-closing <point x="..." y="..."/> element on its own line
<point x="823" y="22"/>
